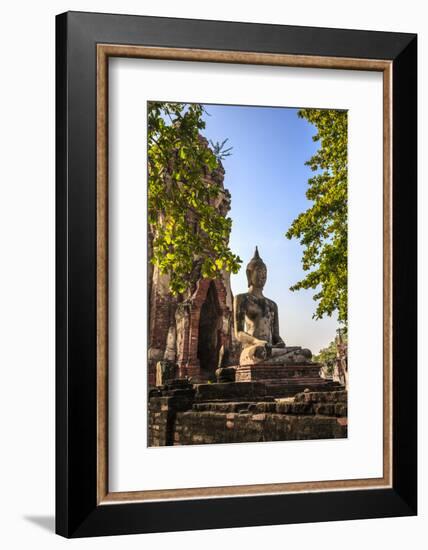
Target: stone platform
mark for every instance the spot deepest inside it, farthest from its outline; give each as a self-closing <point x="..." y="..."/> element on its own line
<point x="262" y="372"/>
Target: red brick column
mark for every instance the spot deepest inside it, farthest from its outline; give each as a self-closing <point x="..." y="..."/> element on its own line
<point x="198" y="300"/>
<point x="187" y="319"/>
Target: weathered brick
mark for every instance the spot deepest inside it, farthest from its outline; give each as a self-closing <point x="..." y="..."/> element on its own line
<point x="326" y="409"/>
<point x="341" y="409"/>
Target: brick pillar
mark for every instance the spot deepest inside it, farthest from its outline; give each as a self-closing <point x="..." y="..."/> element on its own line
<point x="182" y="320"/>
<point x="187" y="319"/>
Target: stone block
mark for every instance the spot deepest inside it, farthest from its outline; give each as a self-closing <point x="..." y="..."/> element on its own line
<point x="262" y="407"/>
<point x="165" y="371"/>
<point x="341" y="409"/>
<point x="322" y="397"/>
<point x="226" y="374"/>
<point x="326" y="409"/>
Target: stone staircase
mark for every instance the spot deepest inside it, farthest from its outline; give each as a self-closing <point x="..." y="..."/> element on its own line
<point x="286" y="380"/>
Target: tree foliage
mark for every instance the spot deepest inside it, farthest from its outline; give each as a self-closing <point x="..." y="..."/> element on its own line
<point x="190" y="234"/>
<point x="322" y="228"/>
<point x="328" y="356"/>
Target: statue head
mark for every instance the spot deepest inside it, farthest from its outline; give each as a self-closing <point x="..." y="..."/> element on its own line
<point x="256" y="271"/>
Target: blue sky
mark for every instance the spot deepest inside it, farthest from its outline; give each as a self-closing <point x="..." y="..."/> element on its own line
<point x="267" y="178"/>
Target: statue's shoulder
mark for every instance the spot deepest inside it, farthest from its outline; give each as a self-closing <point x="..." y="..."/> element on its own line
<point x="271" y="303"/>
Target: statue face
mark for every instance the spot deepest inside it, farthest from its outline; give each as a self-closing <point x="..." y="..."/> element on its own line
<point x="259" y="276"/>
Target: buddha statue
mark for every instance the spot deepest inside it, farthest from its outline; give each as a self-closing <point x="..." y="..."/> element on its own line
<point x="256" y="323"/>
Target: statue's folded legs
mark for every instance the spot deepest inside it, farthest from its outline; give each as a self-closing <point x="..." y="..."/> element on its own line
<point x="252" y="355"/>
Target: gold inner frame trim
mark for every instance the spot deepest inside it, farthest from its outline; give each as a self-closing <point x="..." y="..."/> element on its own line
<point x="104" y="51"/>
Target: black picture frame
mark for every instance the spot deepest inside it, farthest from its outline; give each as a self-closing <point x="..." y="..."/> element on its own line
<point x="77" y="511"/>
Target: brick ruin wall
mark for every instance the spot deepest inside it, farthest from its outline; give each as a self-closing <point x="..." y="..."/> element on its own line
<point x="193" y="428"/>
<point x="179" y="419"/>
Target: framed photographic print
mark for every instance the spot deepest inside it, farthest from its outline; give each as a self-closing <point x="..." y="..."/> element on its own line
<point x="236" y="274"/>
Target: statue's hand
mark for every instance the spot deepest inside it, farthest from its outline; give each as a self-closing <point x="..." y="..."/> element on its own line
<point x="262" y="351"/>
<point x="257" y="352"/>
<point x="258" y="342"/>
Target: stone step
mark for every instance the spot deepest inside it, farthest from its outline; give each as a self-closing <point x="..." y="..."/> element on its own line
<point x="301" y="382"/>
<point x="230" y="391"/>
<point x="259" y="391"/>
<point x="290" y="390"/>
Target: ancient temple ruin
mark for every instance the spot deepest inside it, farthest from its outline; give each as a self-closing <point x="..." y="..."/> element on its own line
<point x="194" y="330"/>
<point x="219" y="371"/>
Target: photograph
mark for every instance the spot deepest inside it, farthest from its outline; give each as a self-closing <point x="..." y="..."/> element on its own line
<point x="247" y="273"/>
